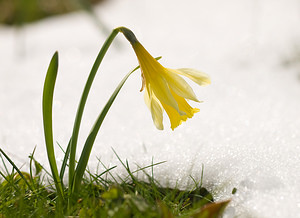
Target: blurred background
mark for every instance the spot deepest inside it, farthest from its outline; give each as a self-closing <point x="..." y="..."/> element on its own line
<point x="21" y="12"/>
<point x="257" y="22"/>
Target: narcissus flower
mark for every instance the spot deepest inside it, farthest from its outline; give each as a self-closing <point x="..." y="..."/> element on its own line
<point x="165" y="89"/>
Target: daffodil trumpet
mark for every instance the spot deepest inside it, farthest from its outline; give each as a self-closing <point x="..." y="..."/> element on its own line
<point x="165" y="89"/>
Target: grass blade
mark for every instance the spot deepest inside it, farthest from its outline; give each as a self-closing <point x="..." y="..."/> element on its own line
<point x="17" y="169"/>
<point x="30" y="166"/>
<point x="4" y="165"/>
<point x="65" y="162"/>
<point x="115" y="180"/>
<point x="47" y="119"/>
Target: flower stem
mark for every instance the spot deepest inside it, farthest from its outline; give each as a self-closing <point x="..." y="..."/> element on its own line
<point x="82" y="103"/>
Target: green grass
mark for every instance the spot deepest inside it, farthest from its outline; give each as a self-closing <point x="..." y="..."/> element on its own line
<point x="33" y="195"/>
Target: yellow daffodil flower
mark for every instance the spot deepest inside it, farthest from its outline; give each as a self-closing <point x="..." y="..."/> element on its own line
<point x="164" y="88"/>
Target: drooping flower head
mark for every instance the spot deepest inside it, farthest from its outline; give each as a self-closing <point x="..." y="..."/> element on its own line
<point x="164" y="88"/>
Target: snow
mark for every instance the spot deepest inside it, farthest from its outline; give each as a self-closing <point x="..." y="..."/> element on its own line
<point x="247" y="134"/>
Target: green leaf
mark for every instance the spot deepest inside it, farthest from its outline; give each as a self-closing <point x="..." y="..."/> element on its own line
<point x="48" y="91"/>
<point x="82" y="163"/>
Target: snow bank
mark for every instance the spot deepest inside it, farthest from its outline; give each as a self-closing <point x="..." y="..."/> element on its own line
<point x="247" y="134"/>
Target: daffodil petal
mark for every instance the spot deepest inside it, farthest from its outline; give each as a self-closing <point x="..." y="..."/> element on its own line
<point x="147" y="98"/>
<point x="175" y="118"/>
<point x="155" y="108"/>
<point x="152" y="75"/>
<point x="184" y="106"/>
<point x="179" y="85"/>
<point x="157" y="114"/>
<point x="197" y="76"/>
<point x="161" y="90"/>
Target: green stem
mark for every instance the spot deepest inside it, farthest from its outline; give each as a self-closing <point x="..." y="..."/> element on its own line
<point x="82" y="103"/>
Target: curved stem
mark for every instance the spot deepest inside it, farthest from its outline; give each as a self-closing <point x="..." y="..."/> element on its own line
<point x="82" y="103"/>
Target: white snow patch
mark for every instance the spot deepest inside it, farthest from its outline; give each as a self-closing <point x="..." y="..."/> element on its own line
<point x="247" y="134"/>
